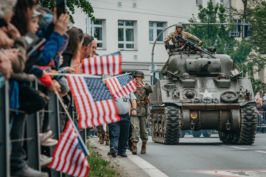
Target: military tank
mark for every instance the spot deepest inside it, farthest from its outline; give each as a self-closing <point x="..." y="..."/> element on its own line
<point x="202" y="90"/>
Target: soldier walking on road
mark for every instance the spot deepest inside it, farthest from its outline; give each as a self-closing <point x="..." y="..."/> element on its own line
<point x="139" y="122"/>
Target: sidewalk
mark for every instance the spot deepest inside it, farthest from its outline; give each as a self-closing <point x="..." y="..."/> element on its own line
<point x="132" y="166"/>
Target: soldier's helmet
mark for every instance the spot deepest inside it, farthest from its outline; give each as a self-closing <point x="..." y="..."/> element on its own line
<point x="179" y="25"/>
<point x="139" y="73"/>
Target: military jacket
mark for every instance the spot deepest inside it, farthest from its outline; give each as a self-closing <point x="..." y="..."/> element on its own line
<point x="142" y="94"/>
<point x="172" y="36"/>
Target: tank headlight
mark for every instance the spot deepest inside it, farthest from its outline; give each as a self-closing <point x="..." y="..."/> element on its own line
<point x="189" y="94"/>
<point x="194" y="115"/>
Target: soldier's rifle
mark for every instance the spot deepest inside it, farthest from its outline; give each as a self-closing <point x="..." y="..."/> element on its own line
<point x="192" y="46"/>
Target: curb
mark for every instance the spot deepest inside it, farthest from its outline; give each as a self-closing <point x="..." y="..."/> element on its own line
<point x="126" y="166"/>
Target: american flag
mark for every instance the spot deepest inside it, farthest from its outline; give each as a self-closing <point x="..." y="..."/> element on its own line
<point x="93" y="100"/>
<point x="99" y="65"/>
<point x="120" y="86"/>
<point x="70" y="154"/>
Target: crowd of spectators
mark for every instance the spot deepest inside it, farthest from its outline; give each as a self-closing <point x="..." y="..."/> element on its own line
<point x="260" y="99"/>
<point x="36" y="45"/>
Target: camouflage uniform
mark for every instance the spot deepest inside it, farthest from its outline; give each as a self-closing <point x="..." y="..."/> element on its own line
<point x="185" y="35"/>
<point x="139" y="122"/>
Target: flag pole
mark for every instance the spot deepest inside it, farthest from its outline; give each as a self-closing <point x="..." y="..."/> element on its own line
<point x="69" y="117"/>
<point x="66" y="74"/>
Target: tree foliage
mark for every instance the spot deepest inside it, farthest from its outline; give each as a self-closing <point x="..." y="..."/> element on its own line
<point x="71" y="4"/>
<point x="256" y="15"/>
<point x="246" y="53"/>
<point x="218" y="35"/>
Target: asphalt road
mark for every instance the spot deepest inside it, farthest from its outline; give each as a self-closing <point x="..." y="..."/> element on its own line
<point x="206" y="157"/>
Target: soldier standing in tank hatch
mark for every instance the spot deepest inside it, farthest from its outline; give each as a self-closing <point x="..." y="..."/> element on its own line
<point x="179" y="32"/>
<point x="139" y="122"/>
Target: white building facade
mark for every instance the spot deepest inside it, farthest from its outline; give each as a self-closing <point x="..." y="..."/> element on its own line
<point x="131" y="26"/>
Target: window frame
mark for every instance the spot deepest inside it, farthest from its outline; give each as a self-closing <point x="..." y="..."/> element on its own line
<point x="154" y="28"/>
<point x="124" y="27"/>
<point x="91" y="30"/>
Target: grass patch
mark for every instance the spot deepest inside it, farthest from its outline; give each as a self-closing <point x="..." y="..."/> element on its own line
<point x="100" y="167"/>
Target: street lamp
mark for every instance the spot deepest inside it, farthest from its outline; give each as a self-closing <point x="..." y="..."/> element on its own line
<point x="152" y="53"/>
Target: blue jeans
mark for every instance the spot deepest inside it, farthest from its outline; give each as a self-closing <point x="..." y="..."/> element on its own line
<point x="119" y="134"/>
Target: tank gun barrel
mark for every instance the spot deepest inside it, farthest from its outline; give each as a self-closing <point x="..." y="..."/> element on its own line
<point x="191" y="45"/>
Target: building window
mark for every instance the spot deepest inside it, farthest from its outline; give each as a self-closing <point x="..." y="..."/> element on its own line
<point x="237" y="28"/>
<point x="97" y="30"/>
<point x="155" y="28"/>
<point x="126" y="34"/>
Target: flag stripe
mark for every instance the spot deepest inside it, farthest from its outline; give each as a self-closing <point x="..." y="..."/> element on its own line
<point x="108" y="64"/>
<point x="75" y="96"/>
<point x="113" y="58"/>
<point x="120" y="64"/>
<point x="68" y="156"/>
<point x="99" y="65"/>
<point x="89" y="107"/>
<point x="79" y="90"/>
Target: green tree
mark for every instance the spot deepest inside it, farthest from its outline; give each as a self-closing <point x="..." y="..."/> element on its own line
<point x="71" y="4"/>
<point x="218" y="35"/>
<point x="213" y="35"/>
<point x="256" y="15"/>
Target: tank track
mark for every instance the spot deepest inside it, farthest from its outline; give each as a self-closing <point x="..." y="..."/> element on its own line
<point x="246" y="135"/>
<point x="165" y="124"/>
<point x="248" y="125"/>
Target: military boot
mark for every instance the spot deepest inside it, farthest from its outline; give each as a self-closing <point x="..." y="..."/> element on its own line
<point x="100" y="136"/>
<point x="134" y="148"/>
<point x="143" y="148"/>
<point x="101" y="140"/>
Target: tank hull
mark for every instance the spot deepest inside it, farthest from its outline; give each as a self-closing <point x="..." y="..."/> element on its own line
<point x="206" y="110"/>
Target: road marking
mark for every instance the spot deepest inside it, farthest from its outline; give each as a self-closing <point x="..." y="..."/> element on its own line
<point x="234" y="173"/>
<point x="236" y="147"/>
<point x="146" y="166"/>
<point x="264" y="152"/>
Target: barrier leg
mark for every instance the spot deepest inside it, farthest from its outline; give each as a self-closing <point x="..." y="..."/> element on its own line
<point x="4" y="131"/>
<point x="33" y="146"/>
<point x="54" y="121"/>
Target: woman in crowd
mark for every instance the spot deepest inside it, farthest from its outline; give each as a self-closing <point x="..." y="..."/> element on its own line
<point x="71" y="56"/>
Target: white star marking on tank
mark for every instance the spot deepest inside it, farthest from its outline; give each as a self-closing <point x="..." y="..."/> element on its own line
<point x="206" y="94"/>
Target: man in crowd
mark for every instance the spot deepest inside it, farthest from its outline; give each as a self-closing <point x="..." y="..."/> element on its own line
<point x="139" y="121"/>
<point x="93" y="48"/>
<point x="86" y="46"/>
<point x="119" y="130"/>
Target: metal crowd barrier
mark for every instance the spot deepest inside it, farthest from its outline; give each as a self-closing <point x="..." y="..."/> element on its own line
<point x="261" y="126"/>
<point x="4" y="129"/>
<point x="32" y="130"/>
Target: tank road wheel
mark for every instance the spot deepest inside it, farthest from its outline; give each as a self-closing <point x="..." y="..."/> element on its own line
<point x="248" y="125"/>
<point x="196" y="133"/>
<point x="165" y="125"/>
<point x="183" y="133"/>
<point x="206" y="133"/>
